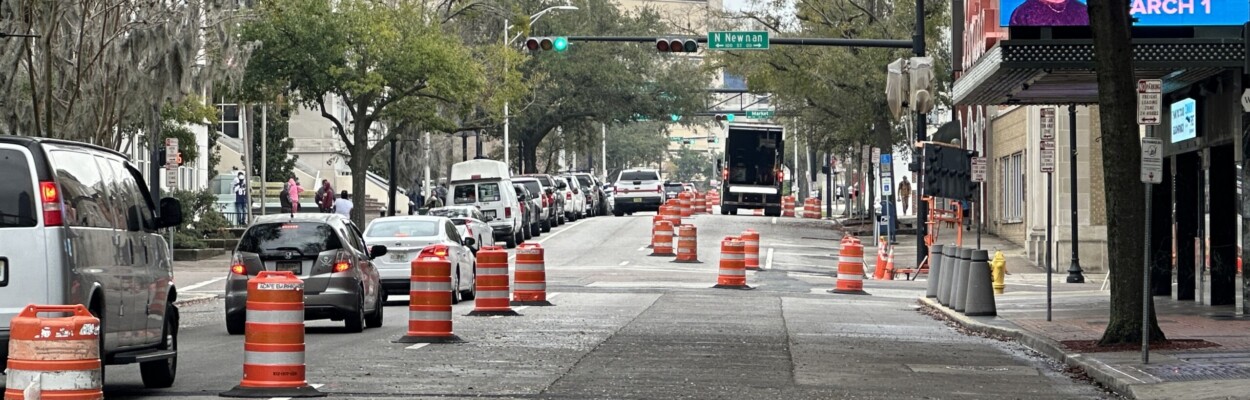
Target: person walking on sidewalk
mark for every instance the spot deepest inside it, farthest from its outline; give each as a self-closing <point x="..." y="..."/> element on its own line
<point x="294" y="192"/>
<point x="325" y="197"/>
<point x="343" y="206"/>
<point x="240" y="199"/>
<point x="904" y="194"/>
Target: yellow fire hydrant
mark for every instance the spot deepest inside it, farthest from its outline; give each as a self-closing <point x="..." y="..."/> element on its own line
<point x="998" y="270"/>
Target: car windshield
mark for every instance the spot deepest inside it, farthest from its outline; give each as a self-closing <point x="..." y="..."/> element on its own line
<point x="545" y="180"/>
<point x="307" y="237"/>
<point x="17" y="194"/>
<point x="532" y="186"/>
<point x="459" y="221"/>
<point x="584" y="181"/>
<point x="402" y="228"/>
<point x="639" y="176"/>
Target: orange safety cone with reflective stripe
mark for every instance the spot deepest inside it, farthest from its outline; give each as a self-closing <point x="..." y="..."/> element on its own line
<point x="58" y="356"/>
<point x="531" y="276"/>
<point x="878" y="272"/>
<point x="751" y="239"/>
<point x="850" y="269"/>
<point x="429" y="298"/>
<point x="733" y="273"/>
<point x="273" y="345"/>
<point x="889" y="265"/>
<point x="492" y="283"/>
<point x="687" y="244"/>
<point x="662" y="239"/>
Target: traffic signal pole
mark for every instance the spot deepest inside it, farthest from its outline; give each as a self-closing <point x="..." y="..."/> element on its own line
<point x="876" y="43"/>
<point x="922" y="208"/>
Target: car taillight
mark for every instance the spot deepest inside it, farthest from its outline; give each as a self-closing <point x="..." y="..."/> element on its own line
<point x="236" y="265"/>
<point x="780" y="176"/>
<point x="437" y="250"/>
<point x="724" y="174"/>
<point x="343" y="263"/>
<point x="568" y="195"/>
<point x="507" y="212"/>
<point x="51" y="199"/>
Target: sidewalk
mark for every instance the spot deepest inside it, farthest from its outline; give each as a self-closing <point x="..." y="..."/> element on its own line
<point x="1212" y="360"/>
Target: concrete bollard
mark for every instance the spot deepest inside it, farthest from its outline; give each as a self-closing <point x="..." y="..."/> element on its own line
<point x="959" y="290"/>
<point x="948" y="265"/>
<point x="935" y="270"/>
<point x="980" y="300"/>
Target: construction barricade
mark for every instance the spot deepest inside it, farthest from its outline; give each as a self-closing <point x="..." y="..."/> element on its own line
<point x="655" y="221"/>
<point x="54" y="357"/>
<point x="273" y="345"/>
<point x="493" y="290"/>
<point x="698" y="204"/>
<point x="684" y="205"/>
<point x="531" y="276"/>
<point x="733" y="273"/>
<point x="787" y="206"/>
<point x="662" y="239"/>
<point x="687" y="244"/>
<point x="878" y="271"/>
<point x="751" y="240"/>
<point x="429" y="294"/>
<point x="850" y="269"/>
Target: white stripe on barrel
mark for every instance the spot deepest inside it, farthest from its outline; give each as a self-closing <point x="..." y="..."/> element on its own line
<point x="853" y="260"/>
<point x="529" y="267"/>
<point x="55" y="380"/>
<point x="732" y="256"/>
<point x="273" y="357"/>
<point x="492" y="271"/>
<point x="423" y="286"/>
<point x="733" y="271"/>
<point x="275" y="316"/>
<point x="429" y="315"/>
<point x="492" y="294"/>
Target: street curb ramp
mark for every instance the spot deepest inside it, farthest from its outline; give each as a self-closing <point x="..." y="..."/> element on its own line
<point x="1099" y="371"/>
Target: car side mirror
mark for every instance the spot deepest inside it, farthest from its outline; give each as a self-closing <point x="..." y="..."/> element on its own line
<point x="550" y="191"/>
<point x="575" y="191"/>
<point x="171" y="213"/>
<point x="469" y="241"/>
<point x="377" y="251"/>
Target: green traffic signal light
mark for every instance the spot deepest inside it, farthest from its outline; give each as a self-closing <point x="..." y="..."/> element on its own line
<point x="560" y="43"/>
<point x="675" y="117"/>
<point x="729" y="117"/>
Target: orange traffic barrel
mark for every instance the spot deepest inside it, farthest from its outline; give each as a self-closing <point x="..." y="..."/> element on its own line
<point x="531" y="276"/>
<point x="655" y="221"/>
<point x="787" y="206"/>
<point x="673" y="215"/>
<point x="429" y="298"/>
<point x="751" y="242"/>
<point x="492" y="283"/>
<point x="687" y="244"/>
<point x="662" y="239"/>
<point x="878" y="272"/>
<point x="698" y="204"/>
<point x="59" y="357"/>
<point x="850" y="269"/>
<point x="733" y="273"/>
<point x="273" y="344"/>
<point x="683" y="204"/>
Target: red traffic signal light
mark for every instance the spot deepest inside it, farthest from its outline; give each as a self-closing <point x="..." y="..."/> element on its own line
<point x="661" y="45"/>
<point x="665" y="45"/>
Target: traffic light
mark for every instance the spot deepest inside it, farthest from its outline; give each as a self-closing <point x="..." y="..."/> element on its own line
<point x="933" y="179"/>
<point x="725" y="117"/>
<point x="665" y="45"/>
<point x="711" y="139"/>
<point x="558" y="43"/>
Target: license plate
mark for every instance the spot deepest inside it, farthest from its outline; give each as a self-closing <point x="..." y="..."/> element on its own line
<point x="293" y="266"/>
<point x="399" y="257"/>
<point x="489" y="214"/>
<point x="637" y="199"/>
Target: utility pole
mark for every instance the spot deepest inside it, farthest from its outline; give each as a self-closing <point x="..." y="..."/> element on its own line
<point x="1074" y="270"/>
<point x="922" y="209"/>
<point x="264" y="154"/>
<point x="393" y="181"/>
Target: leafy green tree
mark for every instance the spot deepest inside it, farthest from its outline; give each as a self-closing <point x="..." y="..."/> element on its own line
<point x="391" y="64"/>
<point x="690" y="165"/>
<point x="635" y="145"/>
<point x="278" y="161"/>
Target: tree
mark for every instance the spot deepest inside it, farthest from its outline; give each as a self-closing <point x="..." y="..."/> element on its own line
<point x="1117" y="107"/>
<point x="390" y="64"/>
<point x="691" y="165"/>
<point x="635" y="145"/>
<point x="278" y="159"/>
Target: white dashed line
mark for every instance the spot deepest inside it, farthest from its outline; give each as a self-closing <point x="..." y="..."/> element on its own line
<point x="417" y="346"/>
<point x="774" y="220"/>
<point x="201" y="284"/>
<point x="552" y="295"/>
<point x="624" y="263"/>
<point x="768" y="262"/>
<point x="642" y="248"/>
<point x="518" y="309"/>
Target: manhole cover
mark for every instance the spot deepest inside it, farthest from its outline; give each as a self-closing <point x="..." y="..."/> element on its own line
<point x="1191" y="372"/>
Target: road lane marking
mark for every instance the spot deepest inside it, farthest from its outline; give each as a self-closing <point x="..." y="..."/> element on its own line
<point x="624" y="263"/>
<point x="768" y="263"/>
<point x="314" y="386"/>
<point x="642" y="248"/>
<point x="774" y="220"/>
<point x="553" y="295"/>
<point x="417" y="346"/>
<point x="553" y="234"/>
<point x="518" y="309"/>
<point x="202" y="284"/>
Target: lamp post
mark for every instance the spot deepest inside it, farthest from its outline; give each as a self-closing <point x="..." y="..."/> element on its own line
<point x="507" y="41"/>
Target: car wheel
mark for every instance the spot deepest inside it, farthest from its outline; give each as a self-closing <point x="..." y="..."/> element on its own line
<point x="355" y="320"/>
<point x="161" y="373"/>
<point x="455" y="290"/>
<point x="536" y="229"/>
<point x="97" y="310"/>
<point x="374" y="320"/>
<point x="471" y="293"/>
<point x="546" y="225"/>
<point x="510" y="242"/>
<point x="618" y="212"/>
<point x="526" y="233"/>
<point x="236" y="323"/>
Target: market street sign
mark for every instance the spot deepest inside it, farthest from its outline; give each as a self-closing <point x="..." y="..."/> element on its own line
<point x="760" y="114"/>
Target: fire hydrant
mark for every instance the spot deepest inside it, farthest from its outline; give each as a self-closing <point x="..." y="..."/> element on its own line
<point x="998" y="271"/>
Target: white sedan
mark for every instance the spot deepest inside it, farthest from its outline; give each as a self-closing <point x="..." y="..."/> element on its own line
<point x="470" y="223"/>
<point x="408" y="236"/>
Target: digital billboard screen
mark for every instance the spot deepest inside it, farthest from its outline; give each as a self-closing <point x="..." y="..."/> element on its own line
<point x="1184" y="120"/>
<point x="1147" y="12"/>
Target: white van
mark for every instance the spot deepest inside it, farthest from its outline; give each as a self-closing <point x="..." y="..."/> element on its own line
<point x="487" y="185"/>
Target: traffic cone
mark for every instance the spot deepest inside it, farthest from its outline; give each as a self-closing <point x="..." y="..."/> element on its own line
<point x="273" y="358"/>
<point x="850" y="270"/>
<point x="531" y="276"/>
<point x="889" y="264"/>
<point x="429" y="299"/>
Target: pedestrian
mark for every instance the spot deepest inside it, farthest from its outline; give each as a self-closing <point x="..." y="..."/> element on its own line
<point x="343" y="206"/>
<point x="904" y="193"/>
<point x="415" y="199"/>
<point x="325" y="197"/>
<point x="441" y="191"/>
<point x="240" y="199"/>
<point x="284" y="198"/>
<point x="294" y="192"/>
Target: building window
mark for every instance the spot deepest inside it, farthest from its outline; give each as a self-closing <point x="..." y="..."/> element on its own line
<point x="228" y="115"/>
<point x="1011" y="169"/>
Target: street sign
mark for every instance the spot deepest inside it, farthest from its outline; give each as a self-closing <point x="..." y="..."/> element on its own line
<point x="1048" y="124"/>
<point x="876" y="155"/>
<point x="1245" y="100"/>
<point x="1150" y="101"/>
<point x="171" y="153"/>
<point x="737" y="40"/>
<point x="1048" y="156"/>
<point x="886" y="190"/>
<point x="887" y="159"/>
<point x="676" y="139"/>
<point x="760" y="114"/>
<point x="1151" y="160"/>
<point x="171" y="178"/>
<point x="978" y="169"/>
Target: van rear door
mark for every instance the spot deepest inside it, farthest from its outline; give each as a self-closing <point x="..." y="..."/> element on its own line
<point x="28" y="254"/>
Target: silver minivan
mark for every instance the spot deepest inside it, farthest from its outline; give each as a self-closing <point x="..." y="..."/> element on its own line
<point x="78" y="226"/>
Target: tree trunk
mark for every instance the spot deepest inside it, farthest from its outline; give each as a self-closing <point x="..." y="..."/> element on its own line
<point x="1117" y="100"/>
<point x="360" y="168"/>
<point x="530" y="154"/>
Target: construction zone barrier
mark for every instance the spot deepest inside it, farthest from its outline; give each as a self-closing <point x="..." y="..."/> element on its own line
<point x="429" y="299"/>
<point x="662" y="239"/>
<point x="655" y="221"/>
<point x="684" y="205"/>
<point x="850" y="269"/>
<point x="980" y="300"/>
<point x="687" y="244"/>
<point x="673" y="215"/>
<point x="493" y="290"/>
<point x="751" y="239"/>
<point x="733" y="273"/>
<point x="709" y="200"/>
<point x="878" y="271"/>
<point x="531" y="276"/>
<point x="698" y="204"/>
<point x="787" y="206"/>
<point x="935" y="270"/>
<point x="959" y="287"/>
<point x="811" y="208"/>
<point x="273" y="345"/>
<point x="54" y="357"/>
<point x="889" y="264"/>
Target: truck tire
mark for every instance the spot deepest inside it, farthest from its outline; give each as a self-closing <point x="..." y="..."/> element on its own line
<point x="772" y="211"/>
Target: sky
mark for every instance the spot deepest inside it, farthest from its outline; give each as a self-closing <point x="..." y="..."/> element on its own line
<point x="735" y="5"/>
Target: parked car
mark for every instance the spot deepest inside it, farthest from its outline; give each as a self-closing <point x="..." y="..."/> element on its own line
<point x="540" y="199"/>
<point x="469" y="223"/>
<point x="581" y="207"/>
<point x="484" y="184"/>
<point x="592" y="192"/>
<point x="530" y="210"/>
<point x="554" y="198"/>
<point x="638" y="190"/>
<point x="405" y="237"/>
<point x="573" y="203"/>
<point x="609" y="195"/>
<point x="672" y="189"/>
<point x="326" y="251"/>
<point x="78" y="227"/>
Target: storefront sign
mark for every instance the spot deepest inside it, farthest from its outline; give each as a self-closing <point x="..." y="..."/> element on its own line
<point x="1184" y="120"/>
<point x="1147" y="12"/>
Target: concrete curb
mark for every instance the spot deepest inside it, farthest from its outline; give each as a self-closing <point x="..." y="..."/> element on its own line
<point x="193" y="300"/>
<point x="1097" y="370"/>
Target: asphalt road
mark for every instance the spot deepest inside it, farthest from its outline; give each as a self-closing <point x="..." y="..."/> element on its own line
<point x="627" y="325"/>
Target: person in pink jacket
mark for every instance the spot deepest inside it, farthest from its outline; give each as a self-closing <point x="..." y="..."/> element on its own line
<point x="294" y="193"/>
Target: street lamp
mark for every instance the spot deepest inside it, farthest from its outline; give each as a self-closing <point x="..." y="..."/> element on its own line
<point x="507" y="41"/>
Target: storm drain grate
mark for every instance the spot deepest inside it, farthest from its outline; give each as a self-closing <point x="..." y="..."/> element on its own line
<point x="1191" y="372"/>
